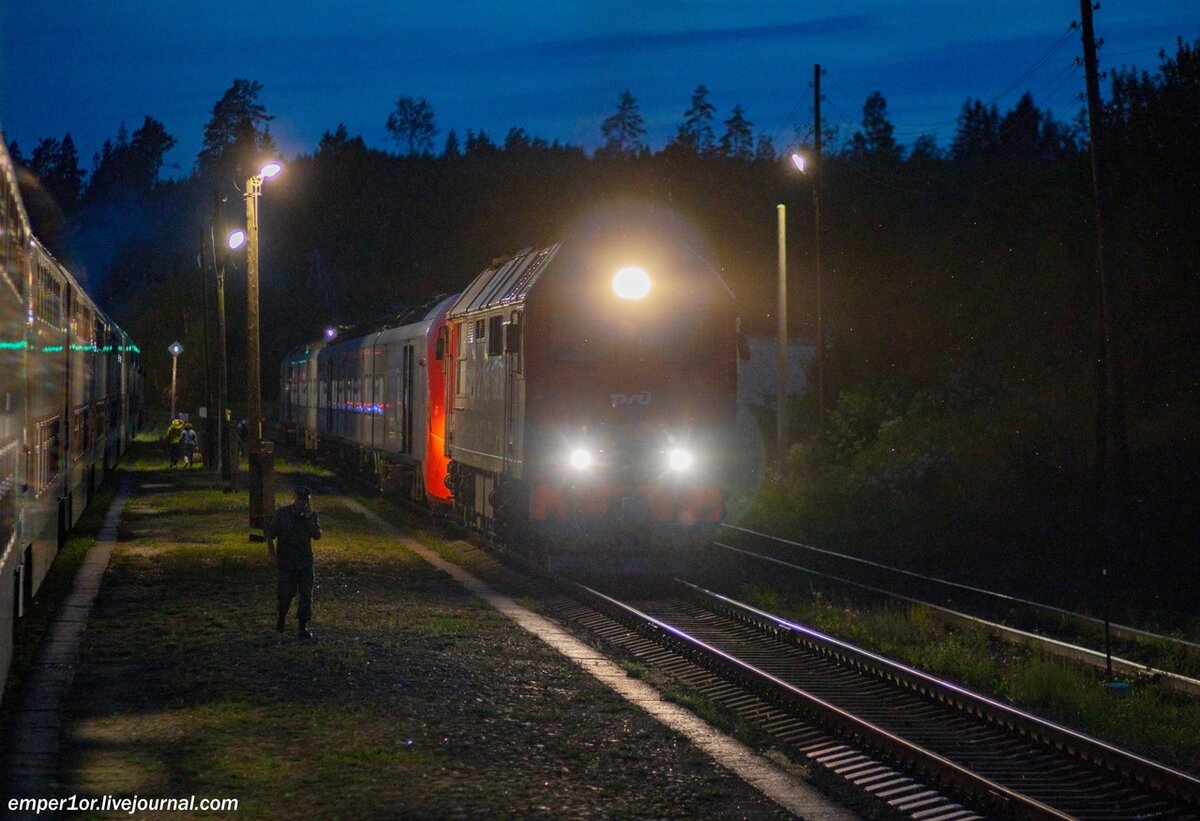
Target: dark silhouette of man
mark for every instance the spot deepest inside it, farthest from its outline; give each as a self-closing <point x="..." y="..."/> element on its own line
<point x="290" y="534"/>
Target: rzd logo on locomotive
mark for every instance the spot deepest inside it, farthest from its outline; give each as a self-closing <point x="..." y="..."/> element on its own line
<point x="624" y="400"/>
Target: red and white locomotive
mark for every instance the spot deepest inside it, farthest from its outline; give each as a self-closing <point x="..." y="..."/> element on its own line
<point x="70" y="403"/>
<point x="588" y="389"/>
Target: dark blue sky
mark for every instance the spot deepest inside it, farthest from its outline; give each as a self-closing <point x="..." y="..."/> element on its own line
<point x="553" y="68"/>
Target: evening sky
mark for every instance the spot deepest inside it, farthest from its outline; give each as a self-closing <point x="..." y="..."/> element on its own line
<point x="555" y="69"/>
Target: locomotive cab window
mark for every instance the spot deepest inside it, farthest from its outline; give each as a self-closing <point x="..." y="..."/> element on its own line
<point x="495" y="335"/>
<point x="684" y="336"/>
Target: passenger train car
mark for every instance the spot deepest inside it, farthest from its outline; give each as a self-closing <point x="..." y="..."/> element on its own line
<point x="377" y="395"/>
<point x="70" y="403"/>
<point x="585" y="390"/>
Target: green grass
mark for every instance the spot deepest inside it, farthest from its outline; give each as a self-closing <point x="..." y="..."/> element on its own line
<point x="417" y="700"/>
<point x="1151" y="720"/>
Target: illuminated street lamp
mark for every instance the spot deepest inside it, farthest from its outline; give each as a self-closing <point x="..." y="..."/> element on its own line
<point x="175" y="350"/>
<point x="262" y="502"/>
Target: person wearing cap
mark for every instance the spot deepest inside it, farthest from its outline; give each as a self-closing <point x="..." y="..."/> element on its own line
<point x="290" y="534"/>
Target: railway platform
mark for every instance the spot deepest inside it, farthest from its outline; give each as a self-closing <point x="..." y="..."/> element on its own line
<point x="422" y="696"/>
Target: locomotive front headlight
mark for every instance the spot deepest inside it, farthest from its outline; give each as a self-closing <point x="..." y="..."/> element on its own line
<point x="581" y="459"/>
<point x="680" y="460"/>
<point x="631" y="283"/>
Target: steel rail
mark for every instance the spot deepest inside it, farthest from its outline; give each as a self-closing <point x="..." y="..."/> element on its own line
<point x="1176" y="682"/>
<point x="1119" y="631"/>
<point x="1158" y="777"/>
<point x="996" y="797"/>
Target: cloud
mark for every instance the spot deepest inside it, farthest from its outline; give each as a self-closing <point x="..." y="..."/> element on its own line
<point x="640" y="42"/>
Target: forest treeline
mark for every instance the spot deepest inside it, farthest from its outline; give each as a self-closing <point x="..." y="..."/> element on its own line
<point x="961" y="286"/>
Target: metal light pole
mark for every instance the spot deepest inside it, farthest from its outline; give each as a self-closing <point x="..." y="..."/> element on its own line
<point x="781" y="391"/>
<point x="805" y="168"/>
<point x="262" y="496"/>
<point x="175" y="349"/>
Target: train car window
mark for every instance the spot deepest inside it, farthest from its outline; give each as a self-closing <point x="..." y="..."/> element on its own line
<point x="480" y="330"/>
<point x="495" y="336"/>
<point x="8" y="494"/>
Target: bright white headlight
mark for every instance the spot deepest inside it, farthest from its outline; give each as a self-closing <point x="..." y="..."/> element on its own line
<point x="679" y="459"/>
<point x="631" y="283"/>
<point x="581" y="459"/>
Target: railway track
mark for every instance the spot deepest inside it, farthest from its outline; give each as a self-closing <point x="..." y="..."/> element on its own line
<point x="950" y="599"/>
<point x="903" y="743"/>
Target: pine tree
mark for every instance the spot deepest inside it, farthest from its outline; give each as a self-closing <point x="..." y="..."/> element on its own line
<point x="876" y="142"/>
<point x="237" y="136"/>
<point x="623" y="131"/>
<point x="978" y="132"/>
<point x="738" y="139"/>
<point x="696" y="132"/>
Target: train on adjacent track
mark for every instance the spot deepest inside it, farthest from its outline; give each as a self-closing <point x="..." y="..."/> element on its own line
<point x="574" y="399"/>
<point x="70" y="402"/>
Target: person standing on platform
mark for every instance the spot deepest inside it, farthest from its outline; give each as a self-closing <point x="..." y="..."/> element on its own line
<point x="173" y="437"/>
<point x="188" y="441"/>
<point x="290" y="535"/>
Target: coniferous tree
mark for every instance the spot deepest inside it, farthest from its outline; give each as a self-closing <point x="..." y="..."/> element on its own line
<point x="738" y="139"/>
<point x="623" y="131"/>
<point x="876" y="141"/>
<point x="978" y="132"/>
<point x="764" y="149"/>
<point x="451" y="149"/>
<point x="56" y="164"/>
<point x="132" y="164"/>
<point x="238" y="133"/>
<point x="696" y="131"/>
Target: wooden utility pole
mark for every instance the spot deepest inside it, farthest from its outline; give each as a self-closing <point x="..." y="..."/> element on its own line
<point x="224" y="460"/>
<point x="209" y="448"/>
<point x="1112" y="439"/>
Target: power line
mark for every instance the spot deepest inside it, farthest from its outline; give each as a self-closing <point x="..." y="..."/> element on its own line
<point x="789" y="120"/>
<point x="1022" y="77"/>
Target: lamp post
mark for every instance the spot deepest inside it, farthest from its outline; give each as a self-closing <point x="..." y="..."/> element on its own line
<point x="262" y="502"/>
<point x="175" y="350"/>
<point x="781" y="388"/>
<point x="803" y="167"/>
<point x="225" y="462"/>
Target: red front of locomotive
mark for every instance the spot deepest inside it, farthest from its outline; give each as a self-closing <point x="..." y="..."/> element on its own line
<point x="630" y="388"/>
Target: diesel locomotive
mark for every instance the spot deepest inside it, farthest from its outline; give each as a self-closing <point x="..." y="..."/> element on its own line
<point x="573" y="399"/>
<point x="70" y="403"/>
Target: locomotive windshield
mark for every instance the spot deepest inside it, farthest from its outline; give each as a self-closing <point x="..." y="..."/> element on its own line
<point x="680" y="337"/>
